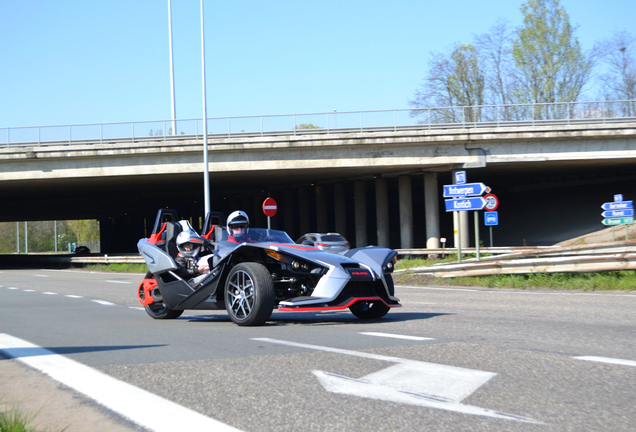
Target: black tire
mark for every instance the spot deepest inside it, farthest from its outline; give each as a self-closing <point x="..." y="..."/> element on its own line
<point x="249" y="294"/>
<point x="158" y="309"/>
<point x="369" y="310"/>
<point x="376" y="309"/>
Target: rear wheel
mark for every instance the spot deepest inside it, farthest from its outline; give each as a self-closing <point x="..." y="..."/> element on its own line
<point x="157" y="309"/>
<point x="249" y="294"/>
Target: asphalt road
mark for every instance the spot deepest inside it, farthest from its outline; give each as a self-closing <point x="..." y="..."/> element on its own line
<point x="450" y="359"/>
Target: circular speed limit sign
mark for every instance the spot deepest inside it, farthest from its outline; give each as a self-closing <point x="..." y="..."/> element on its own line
<point x="492" y="202"/>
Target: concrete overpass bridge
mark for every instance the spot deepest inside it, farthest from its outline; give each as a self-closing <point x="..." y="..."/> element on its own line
<point x="376" y="185"/>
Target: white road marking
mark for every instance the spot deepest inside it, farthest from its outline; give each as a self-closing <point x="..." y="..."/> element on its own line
<point x="396" y="336"/>
<point x="103" y="302"/>
<point x="73" y="296"/>
<point x="49" y="293"/>
<point x="436" y="289"/>
<point x="12" y="288"/>
<point x="119" y="282"/>
<point x="37" y="275"/>
<point x="607" y="360"/>
<point x="141" y="407"/>
<point x="409" y="381"/>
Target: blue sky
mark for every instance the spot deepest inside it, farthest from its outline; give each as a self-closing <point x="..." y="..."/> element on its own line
<point x="99" y="61"/>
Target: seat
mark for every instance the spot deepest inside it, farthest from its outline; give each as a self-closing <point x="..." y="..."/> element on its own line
<point x="170" y="238"/>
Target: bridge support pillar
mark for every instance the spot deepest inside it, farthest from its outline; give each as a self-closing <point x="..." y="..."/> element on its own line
<point x="303" y="205"/>
<point x="340" y="208"/>
<point x="431" y="204"/>
<point x="360" y="202"/>
<point x="288" y="211"/>
<point x="406" y="212"/>
<point x="322" y="224"/>
<point x="382" y="212"/>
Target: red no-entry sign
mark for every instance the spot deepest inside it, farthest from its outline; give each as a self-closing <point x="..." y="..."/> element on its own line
<point x="269" y="207"/>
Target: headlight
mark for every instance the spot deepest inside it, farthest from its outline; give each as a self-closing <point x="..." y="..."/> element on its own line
<point x="390" y="265"/>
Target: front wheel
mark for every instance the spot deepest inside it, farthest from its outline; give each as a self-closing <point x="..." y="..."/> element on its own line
<point x="249" y="294"/>
<point x="150" y="297"/>
<point x="369" y="309"/>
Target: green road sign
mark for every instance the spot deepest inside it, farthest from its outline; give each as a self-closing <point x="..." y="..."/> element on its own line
<point x="618" y="221"/>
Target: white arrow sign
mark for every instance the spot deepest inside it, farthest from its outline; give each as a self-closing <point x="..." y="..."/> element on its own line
<point x="410" y="382"/>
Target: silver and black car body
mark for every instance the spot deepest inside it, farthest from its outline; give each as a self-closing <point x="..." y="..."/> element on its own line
<point x="266" y="271"/>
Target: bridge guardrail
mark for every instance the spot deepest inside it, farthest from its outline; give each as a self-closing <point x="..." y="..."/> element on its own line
<point x="562" y="113"/>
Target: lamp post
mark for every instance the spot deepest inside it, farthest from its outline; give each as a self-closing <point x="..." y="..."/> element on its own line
<point x="206" y="173"/>
<point x="172" y="99"/>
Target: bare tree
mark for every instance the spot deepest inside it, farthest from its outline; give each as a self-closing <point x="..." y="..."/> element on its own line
<point x="619" y="56"/>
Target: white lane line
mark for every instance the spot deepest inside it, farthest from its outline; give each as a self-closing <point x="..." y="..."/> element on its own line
<point x="436" y="289"/>
<point x="73" y="296"/>
<point x="141" y="407"/>
<point x="49" y="293"/>
<point x="12" y="288"/>
<point x="396" y="336"/>
<point x="37" y="275"/>
<point x="607" y="360"/>
<point x="119" y="282"/>
<point x="103" y="302"/>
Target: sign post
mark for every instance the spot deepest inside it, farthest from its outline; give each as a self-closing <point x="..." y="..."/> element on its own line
<point x="269" y="208"/>
<point x="491" y="217"/>
<point x="465" y="197"/>
<point x="618" y="212"/>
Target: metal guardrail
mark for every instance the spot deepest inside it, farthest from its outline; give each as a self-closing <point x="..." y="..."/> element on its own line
<point x="571" y="259"/>
<point x="565" y="113"/>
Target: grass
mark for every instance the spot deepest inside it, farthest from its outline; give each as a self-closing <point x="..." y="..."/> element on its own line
<point x="14" y="420"/>
<point x="614" y="280"/>
<point x="117" y="268"/>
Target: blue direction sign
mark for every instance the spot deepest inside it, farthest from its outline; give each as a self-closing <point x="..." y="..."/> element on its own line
<point x="618" y="221"/>
<point x="465" y="204"/>
<point x="464" y="190"/>
<point x="460" y="177"/>
<point x="618" y="205"/>
<point x="617" y="213"/>
<point x="491" y="218"/>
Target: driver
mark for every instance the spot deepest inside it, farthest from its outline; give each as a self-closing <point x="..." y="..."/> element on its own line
<point x="238" y="225"/>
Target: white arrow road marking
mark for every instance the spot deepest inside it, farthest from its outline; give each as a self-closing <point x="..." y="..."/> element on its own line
<point x="141" y="407"/>
<point x="410" y="382"/>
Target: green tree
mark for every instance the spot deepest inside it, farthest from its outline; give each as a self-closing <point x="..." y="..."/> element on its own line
<point x="306" y="126"/>
<point x="85" y="231"/>
<point x="454" y="80"/>
<point x="550" y="64"/>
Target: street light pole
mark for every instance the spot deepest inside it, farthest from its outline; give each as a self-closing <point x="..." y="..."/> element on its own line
<point x="172" y="99"/>
<point x="206" y="173"/>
